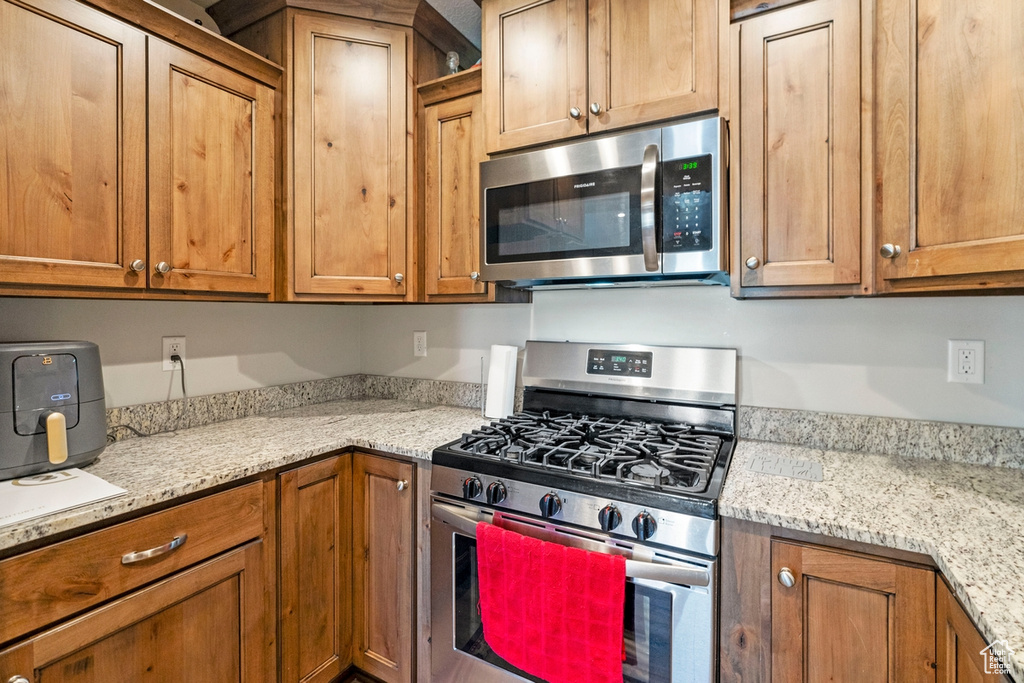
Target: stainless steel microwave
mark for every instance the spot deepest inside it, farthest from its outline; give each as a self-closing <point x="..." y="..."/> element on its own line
<point x="640" y="208"/>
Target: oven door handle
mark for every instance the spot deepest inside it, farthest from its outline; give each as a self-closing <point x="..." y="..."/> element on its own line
<point x="635" y="569"/>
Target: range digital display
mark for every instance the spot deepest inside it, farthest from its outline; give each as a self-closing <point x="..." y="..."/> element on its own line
<point x="622" y="364"/>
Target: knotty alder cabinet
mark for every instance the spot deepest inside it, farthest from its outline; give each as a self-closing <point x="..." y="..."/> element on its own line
<point x="198" y="609"/>
<point x="556" y="69"/>
<point x="339" y="607"/>
<point x="349" y="136"/>
<point x="795" y="610"/>
<point x="130" y="165"/>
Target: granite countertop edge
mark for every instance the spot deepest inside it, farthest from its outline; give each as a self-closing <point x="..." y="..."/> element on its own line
<point x="967" y="518"/>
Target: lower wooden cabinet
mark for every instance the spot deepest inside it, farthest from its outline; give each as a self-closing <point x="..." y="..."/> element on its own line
<point x="793" y="609"/>
<point x="384" y="544"/>
<point x="841" y="616"/>
<point x="315" y="532"/>
<point x="963" y="656"/>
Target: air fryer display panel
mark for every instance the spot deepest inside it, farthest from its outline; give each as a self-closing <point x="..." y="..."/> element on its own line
<point x="44" y="384"/>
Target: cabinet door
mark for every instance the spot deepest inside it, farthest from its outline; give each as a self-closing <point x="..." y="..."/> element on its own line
<point x="72" y="146"/>
<point x="350" y="116"/>
<point x="651" y="60"/>
<point x="384" y="547"/>
<point x="454" y="132"/>
<point x="211" y="175"/>
<point x="799" y="140"/>
<point x="963" y="656"/>
<point x="849" y="617"/>
<point x="950" y="109"/>
<point x="316" y="559"/>
<point x="535" y="71"/>
<point x="203" y="624"/>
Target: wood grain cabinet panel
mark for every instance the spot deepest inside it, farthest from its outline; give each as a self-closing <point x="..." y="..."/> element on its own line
<point x="350" y="118"/>
<point x="849" y="617"/>
<point x="950" y="111"/>
<point x="961" y="649"/>
<point x="72" y="146"/>
<point x="384" y="545"/>
<point x="211" y="175"/>
<point x="203" y="624"/>
<point x="315" y="569"/>
<point x="797" y="146"/>
<point x="556" y="69"/>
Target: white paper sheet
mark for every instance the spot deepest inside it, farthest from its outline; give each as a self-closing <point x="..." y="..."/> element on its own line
<point x="44" y="494"/>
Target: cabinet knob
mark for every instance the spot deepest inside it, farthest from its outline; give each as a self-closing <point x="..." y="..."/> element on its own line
<point x="138" y="265"/>
<point x="474" y="275"/>
<point x="18" y="679"/>
<point x="890" y="250"/>
<point x="786" y="577"/>
<point x="163" y="267"/>
<point x="403" y="484"/>
<point x="399" y="277"/>
<point x="575" y="113"/>
<point x="595" y="108"/>
<point x="753" y="263"/>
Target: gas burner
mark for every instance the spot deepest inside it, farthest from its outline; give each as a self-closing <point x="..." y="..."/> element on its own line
<point x="647" y="472"/>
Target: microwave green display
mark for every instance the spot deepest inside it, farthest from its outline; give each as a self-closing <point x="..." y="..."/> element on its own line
<point x="618" y="359"/>
<point x="689" y="166"/>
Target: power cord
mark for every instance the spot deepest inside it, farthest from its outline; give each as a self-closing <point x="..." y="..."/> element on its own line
<point x="112" y="436"/>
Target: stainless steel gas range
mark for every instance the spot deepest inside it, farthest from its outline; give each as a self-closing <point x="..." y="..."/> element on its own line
<point x="620" y="448"/>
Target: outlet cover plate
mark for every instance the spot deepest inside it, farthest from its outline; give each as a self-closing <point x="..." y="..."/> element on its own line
<point x="172" y="345"/>
<point x="973" y="370"/>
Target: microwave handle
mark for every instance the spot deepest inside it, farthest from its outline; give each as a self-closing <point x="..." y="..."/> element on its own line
<point x="648" y="178"/>
<point x="465" y="521"/>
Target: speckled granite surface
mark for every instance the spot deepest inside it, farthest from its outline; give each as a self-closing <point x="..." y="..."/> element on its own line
<point x="948" y="441"/>
<point x="164" y="467"/>
<point x="968" y="518"/>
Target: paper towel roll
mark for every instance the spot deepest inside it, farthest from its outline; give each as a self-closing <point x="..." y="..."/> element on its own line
<point x="501" y="381"/>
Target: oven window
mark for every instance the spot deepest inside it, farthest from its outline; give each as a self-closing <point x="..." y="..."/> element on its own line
<point x="586" y="215"/>
<point x="647" y="623"/>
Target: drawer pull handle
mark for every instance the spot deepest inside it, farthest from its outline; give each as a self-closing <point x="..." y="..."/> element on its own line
<point x="175" y="543"/>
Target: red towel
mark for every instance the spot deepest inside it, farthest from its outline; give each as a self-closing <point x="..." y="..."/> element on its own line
<point x="554" y="612"/>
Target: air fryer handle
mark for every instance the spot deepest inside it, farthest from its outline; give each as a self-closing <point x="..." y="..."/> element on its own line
<point x="56" y="437"/>
<point x="648" y="237"/>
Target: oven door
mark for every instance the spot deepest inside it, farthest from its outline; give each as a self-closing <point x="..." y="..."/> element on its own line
<point x="669" y="619"/>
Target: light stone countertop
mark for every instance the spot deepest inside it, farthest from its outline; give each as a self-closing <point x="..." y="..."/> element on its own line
<point x="167" y="466"/>
<point x="968" y="518"/>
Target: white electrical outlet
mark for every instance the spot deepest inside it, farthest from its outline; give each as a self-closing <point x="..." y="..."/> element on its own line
<point x="419" y="343"/>
<point x="173" y="346"/>
<point x="966" y="362"/>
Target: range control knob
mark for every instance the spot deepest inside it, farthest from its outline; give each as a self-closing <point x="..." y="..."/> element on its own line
<point x="471" y="488"/>
<point x="550" y="505"/>
<point x="609" y="517"/>
<point x="496" y="492"/>
<point x="644" y="525"/>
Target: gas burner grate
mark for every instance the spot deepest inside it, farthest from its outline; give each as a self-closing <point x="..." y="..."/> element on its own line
<point x="672" y="457"/>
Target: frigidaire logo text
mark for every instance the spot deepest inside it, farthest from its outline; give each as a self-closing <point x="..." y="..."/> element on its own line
<point x="576" y="187"/>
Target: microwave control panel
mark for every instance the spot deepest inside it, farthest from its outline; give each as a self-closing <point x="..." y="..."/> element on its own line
<point x="621" y="363"/>
<point x="686" y="212"/>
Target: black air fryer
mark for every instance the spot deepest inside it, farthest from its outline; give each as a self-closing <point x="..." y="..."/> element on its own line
<point x="52" y="408"/>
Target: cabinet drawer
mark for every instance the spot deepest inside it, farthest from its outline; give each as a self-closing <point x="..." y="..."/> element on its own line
<point x="45" y="585"/>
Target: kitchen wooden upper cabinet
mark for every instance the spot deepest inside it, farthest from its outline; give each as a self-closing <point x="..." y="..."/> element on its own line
<point x="202" y="624"/>
<point x="798" y="226"/>
<point x="384" y="544"/>
<point x="72" y="146"/>
<point x="950" y="110"/>
<point x="315" y="570"/>
<point x="849" y="617"/>
<point x="555" y="69"/>
<point x="351" y="121"/>
<point x="122" y="179"/>
<point x="211" y="175"/>
<point x="961" y="649"/>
